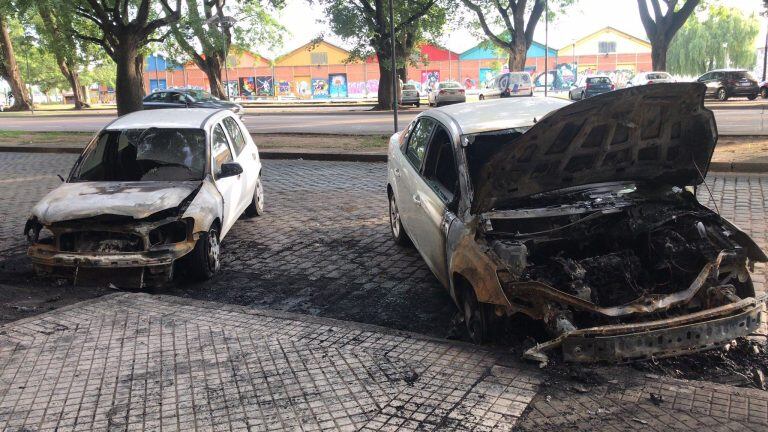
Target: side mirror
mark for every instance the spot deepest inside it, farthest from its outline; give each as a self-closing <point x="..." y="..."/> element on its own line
<point x="230" y="169"/>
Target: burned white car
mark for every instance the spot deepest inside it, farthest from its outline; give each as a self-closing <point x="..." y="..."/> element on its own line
<point x="151" y="190"/>
<point x="580" y="215"/>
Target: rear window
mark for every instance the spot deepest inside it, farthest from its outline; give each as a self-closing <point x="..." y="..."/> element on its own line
<point x="655" y="76"/>
<point x="449" y="85"/>
<point x="599" y="80"/>
<point x="409" y="87"/>
<point x="740" y="75"/>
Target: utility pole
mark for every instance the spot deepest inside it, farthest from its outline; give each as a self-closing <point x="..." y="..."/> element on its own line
<point x="394" y="63"/>
<point x="765" y="54"/>
<point x="546" y="47"/>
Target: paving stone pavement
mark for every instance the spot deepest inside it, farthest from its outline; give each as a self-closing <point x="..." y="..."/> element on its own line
<point x="138" y="362"/>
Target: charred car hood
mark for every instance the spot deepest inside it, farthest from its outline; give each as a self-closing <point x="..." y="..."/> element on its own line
<point x="88" y="199"/>
<point x="659" y="133"/>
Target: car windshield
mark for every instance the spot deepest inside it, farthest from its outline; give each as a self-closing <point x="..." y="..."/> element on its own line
<point x="656" y="76"/>
<point x="449" y="85"/>
<point x="144" y="155"/>
<point x="409" y="87"/>
<point x="201" y="96"/>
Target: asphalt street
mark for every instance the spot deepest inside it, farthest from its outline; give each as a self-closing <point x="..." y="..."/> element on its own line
<point x="732" y="121"/>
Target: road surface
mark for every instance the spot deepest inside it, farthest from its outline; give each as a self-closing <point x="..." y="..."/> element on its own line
<point x="732" y="121"/>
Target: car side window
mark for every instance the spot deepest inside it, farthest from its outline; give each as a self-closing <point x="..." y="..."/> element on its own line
<point x="717" y="75"/>
<point x="417" y="142"/>
<point x="238" y="140"/>
<point x="440" y="170"/>
<point x="176" y="97"/>
<point x="219" y="150"/>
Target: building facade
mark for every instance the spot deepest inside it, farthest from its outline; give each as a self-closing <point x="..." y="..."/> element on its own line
<point x="320" y="70"/>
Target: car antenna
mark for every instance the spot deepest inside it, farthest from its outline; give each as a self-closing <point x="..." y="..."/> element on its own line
<point x="706" y="186"/>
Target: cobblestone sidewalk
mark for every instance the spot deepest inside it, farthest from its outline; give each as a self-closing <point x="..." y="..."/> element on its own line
<point x="138" y="362"/>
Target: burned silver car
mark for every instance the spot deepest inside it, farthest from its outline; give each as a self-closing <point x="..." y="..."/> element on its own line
<point x="580" y="215"/>
<point x="152" y="188"/>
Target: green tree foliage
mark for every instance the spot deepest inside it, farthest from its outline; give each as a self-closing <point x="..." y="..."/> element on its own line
<point x="509" y="25"/>
<point x="9" y="68"/>
<point x="663" y="25"/>
<point x="366" y="25"/>
<point x="205" y="33"/>
<point x="698" y="46"/>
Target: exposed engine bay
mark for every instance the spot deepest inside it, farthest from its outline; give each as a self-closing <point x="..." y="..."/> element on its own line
<point x="619" y="256"/>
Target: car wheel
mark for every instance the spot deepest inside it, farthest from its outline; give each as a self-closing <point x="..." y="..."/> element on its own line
<point x="398" y="231"/>
<point x="764" y="93"/>
<point x="722" y="94"/>
<point x="418" y="104"/>
<point x="205" y="262"/>
<point x="256" y="208"/>
<point x="752" y="96"/>
<point x="475" y="317"/>
<point x="481" y="97"/>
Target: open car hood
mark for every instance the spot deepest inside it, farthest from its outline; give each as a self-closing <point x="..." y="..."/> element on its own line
<point x="138" y="200"/>
<point x="660" y="133"/>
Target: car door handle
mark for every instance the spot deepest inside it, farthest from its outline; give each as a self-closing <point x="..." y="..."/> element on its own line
<point x="417" y="199"/>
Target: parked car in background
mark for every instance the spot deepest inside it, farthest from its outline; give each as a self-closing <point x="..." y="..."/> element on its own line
<point x="153" y="189"/>
<point x="764" y="89"/>
<point x="644" y="78"/>
<point x="727" y="83"/>
<point x="188" y="98"/>
<point x="446" y="92"/>
<point x="590" y="85"/>
<point x="584" y="220"/>
<point x="409" y="95"/>
<point x="510" y="84"/>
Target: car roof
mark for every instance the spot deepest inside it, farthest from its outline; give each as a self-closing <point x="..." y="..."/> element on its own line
<point x="183" y="118"/>
<point x="499" y="114"/>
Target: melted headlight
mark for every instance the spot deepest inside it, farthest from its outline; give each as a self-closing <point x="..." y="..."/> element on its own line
<point x="173" y="232"/>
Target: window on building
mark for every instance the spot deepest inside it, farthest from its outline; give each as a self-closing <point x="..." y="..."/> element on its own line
<point x="318" y="58"/>
<point x="605" y="47"/>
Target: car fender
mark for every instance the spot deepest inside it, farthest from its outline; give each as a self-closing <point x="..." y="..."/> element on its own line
<point x="206" y="207"/>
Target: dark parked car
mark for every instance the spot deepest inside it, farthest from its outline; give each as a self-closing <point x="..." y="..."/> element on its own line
<point x="188" y="98"/>
<point x="590" y="85"/>
<point x="725" y="83"/>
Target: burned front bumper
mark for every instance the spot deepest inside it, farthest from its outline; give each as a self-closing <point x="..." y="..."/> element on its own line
<point x="693" y="332"/>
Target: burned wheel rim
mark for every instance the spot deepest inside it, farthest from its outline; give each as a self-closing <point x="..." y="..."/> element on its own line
<point x="394" y="217"/>
<point x="213" y="250"/>
<point x="473" y="318"/>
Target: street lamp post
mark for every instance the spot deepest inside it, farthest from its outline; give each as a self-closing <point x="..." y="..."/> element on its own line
<point x="394" y="63"/>
<point x="546" y="47"/>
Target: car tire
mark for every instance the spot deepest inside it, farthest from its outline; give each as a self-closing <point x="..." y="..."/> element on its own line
<point x="722" y="94"/>
<point x="418" y="104"/>
<point x="475" y="316"/>
<point x="481" y="97"/>
<point x="256" y="207"/>
<point x="752" y="96"/>
<point x="764" y="93"/>
<point x="204" y="260"/>
<point x="396" y="225"/>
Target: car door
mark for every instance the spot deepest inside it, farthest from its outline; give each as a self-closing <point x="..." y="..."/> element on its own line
<point x="706" y="79"/>
<point x="435" y="194"/>
<point x="408" y="174"/>
<point x="176" y="100"/>
<point x="246" y="155"/>
<point x="231" y="188"/>
<point x="155" y="100"/>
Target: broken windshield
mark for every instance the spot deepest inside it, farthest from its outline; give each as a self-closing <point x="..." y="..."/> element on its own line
<point x="145" y="155"/>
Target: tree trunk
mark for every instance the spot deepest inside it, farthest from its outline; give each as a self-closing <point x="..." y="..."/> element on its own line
<point x="74" y="81"/>
<point x="385" y="85"/>
<point x="129" y="80"/>
<point x="212" y="66"/>
<point x="765" y="54"/>
<point x="21" y="100"/>
<point x="67" y="69"/>
<point x="659" y="48"/>
<point x="402" y="73"/>
<point x="516" y="60"/>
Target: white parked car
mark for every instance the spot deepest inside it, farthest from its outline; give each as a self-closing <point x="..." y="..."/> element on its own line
<point x="644" y="78"/>
<point x="409" y="95"/>
<point x="510" y="84"/>
<point x="578" y="215"/>
<point x="445" y="93"/>
<point x="151" y="189"/>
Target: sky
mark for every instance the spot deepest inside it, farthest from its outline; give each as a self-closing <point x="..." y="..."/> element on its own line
<point x="305" y="22"/>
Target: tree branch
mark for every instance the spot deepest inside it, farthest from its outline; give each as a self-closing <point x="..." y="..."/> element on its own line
<point x="486" y="29"/>
<point x="538" y="9"/>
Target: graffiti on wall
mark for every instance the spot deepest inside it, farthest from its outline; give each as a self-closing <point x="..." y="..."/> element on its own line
<point x="264" y="85"/>
<point x="319" y="88"/>
<point x="247" y="86"/>
<point x="337" y="85"/>
<point x="486" y="74"/>
<point x="469" y="83"/>
<point x="429" y="79"/>
<point x="283" y="88"/>
<point x="232" y="88"/>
